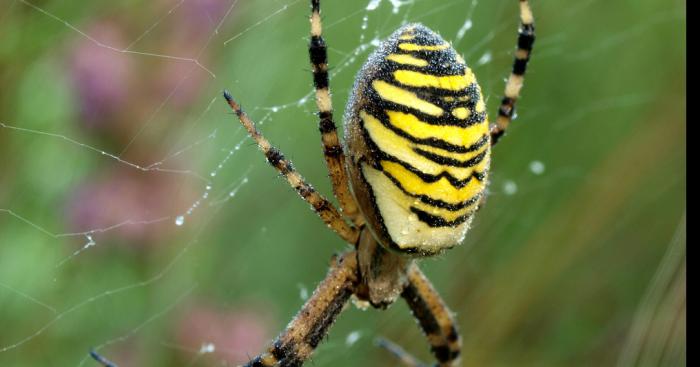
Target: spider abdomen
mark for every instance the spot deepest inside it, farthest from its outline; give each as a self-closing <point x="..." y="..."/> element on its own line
<point x="418" y="143"/>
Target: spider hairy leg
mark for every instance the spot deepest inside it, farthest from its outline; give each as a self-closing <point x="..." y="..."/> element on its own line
<point x="324" y="208"/>
<point x="526" y="39"/>
<point x="332" y="150"/>
<point x="434" y="317"/>
<point x="296" y="344"/>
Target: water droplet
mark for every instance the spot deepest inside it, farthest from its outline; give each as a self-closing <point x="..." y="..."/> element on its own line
<point x="485" y="58"/>
<point x="373" y="5"/>
<point x="180" y="220"/>
<point x="537" y="167"/>
<point x="352" y="338"/>
<point x="207" y="348"/>
<point x="465" y="27"/>
<point x="510" y="187"/>
<point x="303" y="292"/>
<point x="213" y="174"/>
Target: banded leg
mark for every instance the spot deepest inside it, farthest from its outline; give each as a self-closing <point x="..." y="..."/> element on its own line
<point x="526" y="38"/>
<point x="324" y="208"/>
<point x="332" y="150"/>
<point x="434" y="317"/>
<point x="310" y="325"/>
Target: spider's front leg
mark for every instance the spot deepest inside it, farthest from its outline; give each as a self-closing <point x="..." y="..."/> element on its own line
<point x="324" y="208"/>
<point x="526" y="39"/>
<point x="332" y="150"/>
<point x="296" y="344"/>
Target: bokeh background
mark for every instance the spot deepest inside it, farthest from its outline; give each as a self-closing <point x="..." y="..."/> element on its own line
<point x="138" y="219"/>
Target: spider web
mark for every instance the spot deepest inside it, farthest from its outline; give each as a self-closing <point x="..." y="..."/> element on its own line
<point x="137" y="218"/>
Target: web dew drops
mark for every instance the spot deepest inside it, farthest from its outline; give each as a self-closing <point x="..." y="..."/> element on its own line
<point x="510" y="187"/>
<point x="396" y="4"/>
<point x="303" y="292"/>
<point x="352" y="338"/>
<point x="180" y="219"/>
<point x="537" y="167"/>
<point x="485" y="58"/>
<point x="373" y="5"/>
<point x="465" y="27"/>
<point x="207" y="348"/>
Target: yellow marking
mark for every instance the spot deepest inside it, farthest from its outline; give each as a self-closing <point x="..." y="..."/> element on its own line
<point x="407" y="37"/>
<point x="450" y="82"/>
<point x="401" y="96"/>
<point x="452" y="99"/>
<point x="460" y="113"/>
<point x="403" y="226"/>
<point x="455" y="135"/>
<point x="441" y="189"/>
<point x="414" y="47"/>
<point x="480" y="106"/>
<point x="401" y="148"/>
<point x="407" y="60"/>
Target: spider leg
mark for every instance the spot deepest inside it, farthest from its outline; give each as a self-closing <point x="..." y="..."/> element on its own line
<point x="434" y="318"/>
<point x="332" y="150"/>
<point x="303" y="334"/>
<point x="526" y="38"/>
<point x="324" y="208"/>
<point x="101" y="360"/>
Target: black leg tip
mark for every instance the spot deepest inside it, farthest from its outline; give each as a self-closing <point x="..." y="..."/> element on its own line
<point x="102" y="360"/>
<point x="228" y="96"/>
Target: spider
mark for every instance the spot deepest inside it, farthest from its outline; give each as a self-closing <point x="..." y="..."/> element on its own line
<point x="409" y="180"/>
<point x="418" y="144"/>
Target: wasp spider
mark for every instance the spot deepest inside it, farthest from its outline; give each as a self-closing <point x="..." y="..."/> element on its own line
<point x="409" y="179"/>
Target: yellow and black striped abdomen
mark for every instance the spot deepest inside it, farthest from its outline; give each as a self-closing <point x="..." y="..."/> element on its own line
<point x="417" y="135"/>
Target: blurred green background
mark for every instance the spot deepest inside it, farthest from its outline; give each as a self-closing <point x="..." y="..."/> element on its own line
<point x="112" y="127"/>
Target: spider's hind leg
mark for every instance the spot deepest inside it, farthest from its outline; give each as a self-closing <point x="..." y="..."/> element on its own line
<point x="296" y="343"/>
<point x="434" y="318"/>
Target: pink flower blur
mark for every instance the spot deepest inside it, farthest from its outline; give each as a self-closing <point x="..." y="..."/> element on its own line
<point x="236" y="334"/>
